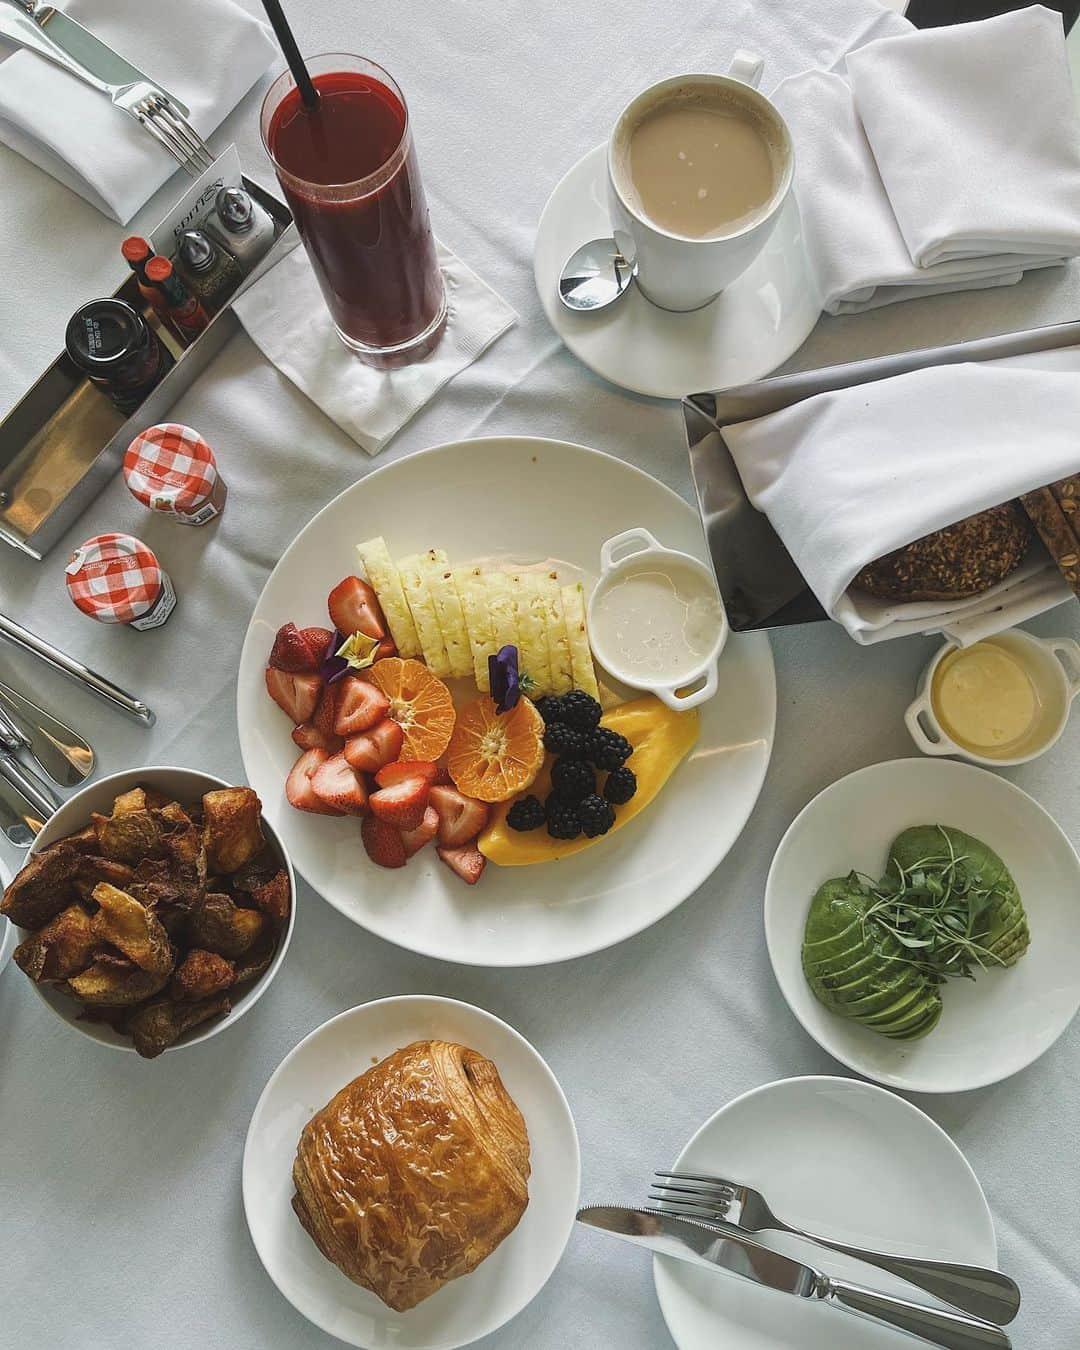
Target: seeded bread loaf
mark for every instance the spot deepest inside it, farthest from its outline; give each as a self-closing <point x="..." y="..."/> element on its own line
<point x="955" y="563"/>
<point x="1053" y="510"/>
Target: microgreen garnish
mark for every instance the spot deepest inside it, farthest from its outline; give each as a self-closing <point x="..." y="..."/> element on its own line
<point x="504" y="678"/>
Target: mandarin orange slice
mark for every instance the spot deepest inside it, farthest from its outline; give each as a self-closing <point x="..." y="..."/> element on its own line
<point x="419" y="703"/>
<point x="494" y="755"/>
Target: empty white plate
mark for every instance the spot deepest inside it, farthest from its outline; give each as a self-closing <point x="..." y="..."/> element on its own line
<point x="846" y="1160"/>
<point x="991" y="1026"/>
<point x="306" y="1079"/>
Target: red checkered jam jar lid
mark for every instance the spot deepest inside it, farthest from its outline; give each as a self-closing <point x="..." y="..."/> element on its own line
<point x="114" y="578"/>
<point x="170" y="468"/>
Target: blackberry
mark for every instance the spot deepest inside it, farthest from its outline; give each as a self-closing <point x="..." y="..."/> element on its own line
<point x="596" y="815"/>
<point x="607" y="749"/>
<point x="572" y="779"/>
<point x="563" y="821"/>
<point x="620" y="786"/>
<point x="549" y="707"/>
<point x="563" y="740"/>
<point x="526" y="814"/>
<point x="579" y="710"/>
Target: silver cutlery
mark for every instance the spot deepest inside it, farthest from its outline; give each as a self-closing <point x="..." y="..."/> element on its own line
<point x="18" y="820"/>
<point x="719" y="1247"/>
<point x="51" y="33"/>
<point x="21" y="637"/>
<point x="61" y="752"/>
<point x="984" y="1293"/>
<point x="595" y="276"/>
<point x="35" y="792"/>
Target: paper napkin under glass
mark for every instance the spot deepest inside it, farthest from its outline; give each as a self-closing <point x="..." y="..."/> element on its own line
<point x="286" y="317"/>
<point x="207" y="53"/>
<point x="848" y="476"/>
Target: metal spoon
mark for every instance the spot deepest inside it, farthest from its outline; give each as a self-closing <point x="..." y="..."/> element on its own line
<point x="64" y="755"/>
<point x="595" y="276"/>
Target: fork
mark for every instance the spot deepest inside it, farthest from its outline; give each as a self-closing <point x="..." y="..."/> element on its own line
<point x="985" y="1293"/>
<point x="163" y="116"/>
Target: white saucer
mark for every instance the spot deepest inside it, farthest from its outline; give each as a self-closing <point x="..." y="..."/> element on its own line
<point x="743" y="335"/>
<point x="467" y="1308"/>
<point x="843" y="1159"/>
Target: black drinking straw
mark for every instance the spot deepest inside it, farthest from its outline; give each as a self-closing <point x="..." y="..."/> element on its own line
<point x="309" y="95"/>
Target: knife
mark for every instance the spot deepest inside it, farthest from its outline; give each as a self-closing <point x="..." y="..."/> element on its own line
<point x="720" y="1247"/>
<point x="52" y="34"/>
<point x="61" y="752"/>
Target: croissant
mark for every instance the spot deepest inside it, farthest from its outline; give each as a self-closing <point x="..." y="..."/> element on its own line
<point x="414" y="1172"/>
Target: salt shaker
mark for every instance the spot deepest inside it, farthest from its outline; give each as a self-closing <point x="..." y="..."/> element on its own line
<point x="242" y="225"/>
<point x="211" y="272"/>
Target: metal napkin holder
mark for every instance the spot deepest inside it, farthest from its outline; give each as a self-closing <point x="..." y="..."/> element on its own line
<point x="760" y="583"/>
<point x="64" y="440"/>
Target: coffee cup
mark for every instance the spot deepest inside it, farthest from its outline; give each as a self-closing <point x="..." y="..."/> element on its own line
<point x="679" y="269"/>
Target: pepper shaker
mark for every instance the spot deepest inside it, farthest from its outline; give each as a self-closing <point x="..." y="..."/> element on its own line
<point x="242" y="225"/>
<point x="211" y="272"/>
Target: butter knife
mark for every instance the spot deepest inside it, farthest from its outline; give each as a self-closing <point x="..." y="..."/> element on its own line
<point x="717" y="1247"/>
<point x="61" y="752"/>
<point x="53" y="34"/>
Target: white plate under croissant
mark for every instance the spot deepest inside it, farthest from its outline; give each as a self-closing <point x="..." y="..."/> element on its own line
<point x="486" y="1159"/>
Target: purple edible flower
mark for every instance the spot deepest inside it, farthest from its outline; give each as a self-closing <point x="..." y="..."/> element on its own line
<point x="503" y="677"/>
<point x="333" y="666"/>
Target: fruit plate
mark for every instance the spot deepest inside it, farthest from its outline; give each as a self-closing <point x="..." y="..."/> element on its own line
<point x="324" y="1061"/>
<point x="843" y="1159"/>
<point x="527" y="499"/>
<point x="990" y="1027"/>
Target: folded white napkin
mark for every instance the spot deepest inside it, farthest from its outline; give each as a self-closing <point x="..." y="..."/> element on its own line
<point x="848" y="476"/>
<point x="975" y="134"/>
<point x="207" y="53"/>
<point x="857" y="253"/>
<point x="286" y="317"/>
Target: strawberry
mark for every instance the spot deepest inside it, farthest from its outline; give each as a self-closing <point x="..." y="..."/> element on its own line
<point x="309" y="737"/>
<point x="326" y="712"/>
<point x="442" y="775"/>
<point x="414" y="840"/>
<point x="383" y="843"/>
<point x="298" y="787"/>
<point x="291" y="652"/>
<point x="467" y="862"/>
<point x="317" y="640"/>
<point x="295" y="695"/>
<point x="359" y="706"/>
<point x="354" y="608"/>
<point x="370" y="750"/>
<point x="403" y="803"/>
<point x="390" y="774"/>
<point x="461" y="818"/>
<point x="385" y="648"/>
<point x="339" y="787"/>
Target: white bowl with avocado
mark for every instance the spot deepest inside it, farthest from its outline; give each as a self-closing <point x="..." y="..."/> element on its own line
<point x="894" y="883"/>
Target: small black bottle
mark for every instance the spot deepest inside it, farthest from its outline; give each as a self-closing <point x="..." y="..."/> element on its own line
<point x="117" y="350"/>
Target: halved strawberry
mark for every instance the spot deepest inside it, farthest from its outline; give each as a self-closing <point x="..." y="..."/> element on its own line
<point x="390" y="774"/>
<point x="403" y="803"/>
<point x="442" y="775"/>
<point x="467" y="862"/>
<point x="383" y="842"/>
<point x="360" y="706"/>
<point x="298" y="789"/>
<point x="370" y="750"/>
<point x="295" y="695"/>
<point x="340" y="787"/>
<point x="354" y="608"/>
<point x="326" y="712"/>
<point x="461" y="818"/>
<point x="425" y="832"/>
<point x="291" y="651"/>
<point x="308" y="737"/>
<point x="317" y="640"/>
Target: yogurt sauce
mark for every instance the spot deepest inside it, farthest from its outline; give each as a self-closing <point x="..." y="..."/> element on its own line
<point x="657" y="626"/>
<point x="985" y="698"/>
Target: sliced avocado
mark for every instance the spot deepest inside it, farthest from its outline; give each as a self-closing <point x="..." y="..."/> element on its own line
<point x="832" y="965"/>
<point x="836" y="906"/>
<point x="911" y="1021"/>
<point x="907" y="1003"/>
<point x="922" y="1028"/>
<point x="840" y="979"/>
<point x="887" y="1001"/>
<point x="924" y="841"/>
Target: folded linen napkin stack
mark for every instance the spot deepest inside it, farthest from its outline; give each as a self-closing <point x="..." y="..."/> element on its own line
<point x="945" y="160"/>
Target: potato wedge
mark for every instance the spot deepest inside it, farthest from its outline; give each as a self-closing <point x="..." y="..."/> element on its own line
<point x="42" y="888"/>
<point x="274" y="897"/>
<point x="61" y="949"/>
<point x="130" y="836"/>
<point x="201" y="974"/>
<point x="129" y="926"/>
<point x="232" y="828"/>
<point x="383" y="575"/>
<point x="115" y="986"/>
<point x="161" y="1024"/>
<point x="220" y="926"/>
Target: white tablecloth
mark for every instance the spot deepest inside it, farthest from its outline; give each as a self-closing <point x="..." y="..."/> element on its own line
<point x="120" y="1179"/>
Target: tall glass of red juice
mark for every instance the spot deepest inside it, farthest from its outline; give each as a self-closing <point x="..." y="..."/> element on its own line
<point x="349" y="173"/>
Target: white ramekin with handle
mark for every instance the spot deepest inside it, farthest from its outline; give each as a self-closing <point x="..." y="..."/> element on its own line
<point x="1053" y="664"/>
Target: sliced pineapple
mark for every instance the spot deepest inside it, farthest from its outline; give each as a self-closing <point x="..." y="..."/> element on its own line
<point x="414" y="584"/>
<point x="383" y="575"/>
<point x="474" y="604"/>
<point x="562" y="680"/>
<point x="577" y="635"/>
<point x="501" y="608"/>
<point x="448" y="611"/>
<point x="529" y="616"/>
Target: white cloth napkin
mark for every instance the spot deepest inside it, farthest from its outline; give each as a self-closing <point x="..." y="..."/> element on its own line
<point x="975" y="134"/>
<point x="207" y="53"/>
<point x="286" y="317"/>
<point x="848" y="476"/>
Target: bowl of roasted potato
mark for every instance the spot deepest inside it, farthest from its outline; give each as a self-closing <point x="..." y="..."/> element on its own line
<point x="154" y="908"/>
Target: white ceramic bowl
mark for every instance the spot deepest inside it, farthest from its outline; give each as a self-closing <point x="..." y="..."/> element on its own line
<point x="181" y="785"/>
<point x="991" y="1026"/>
